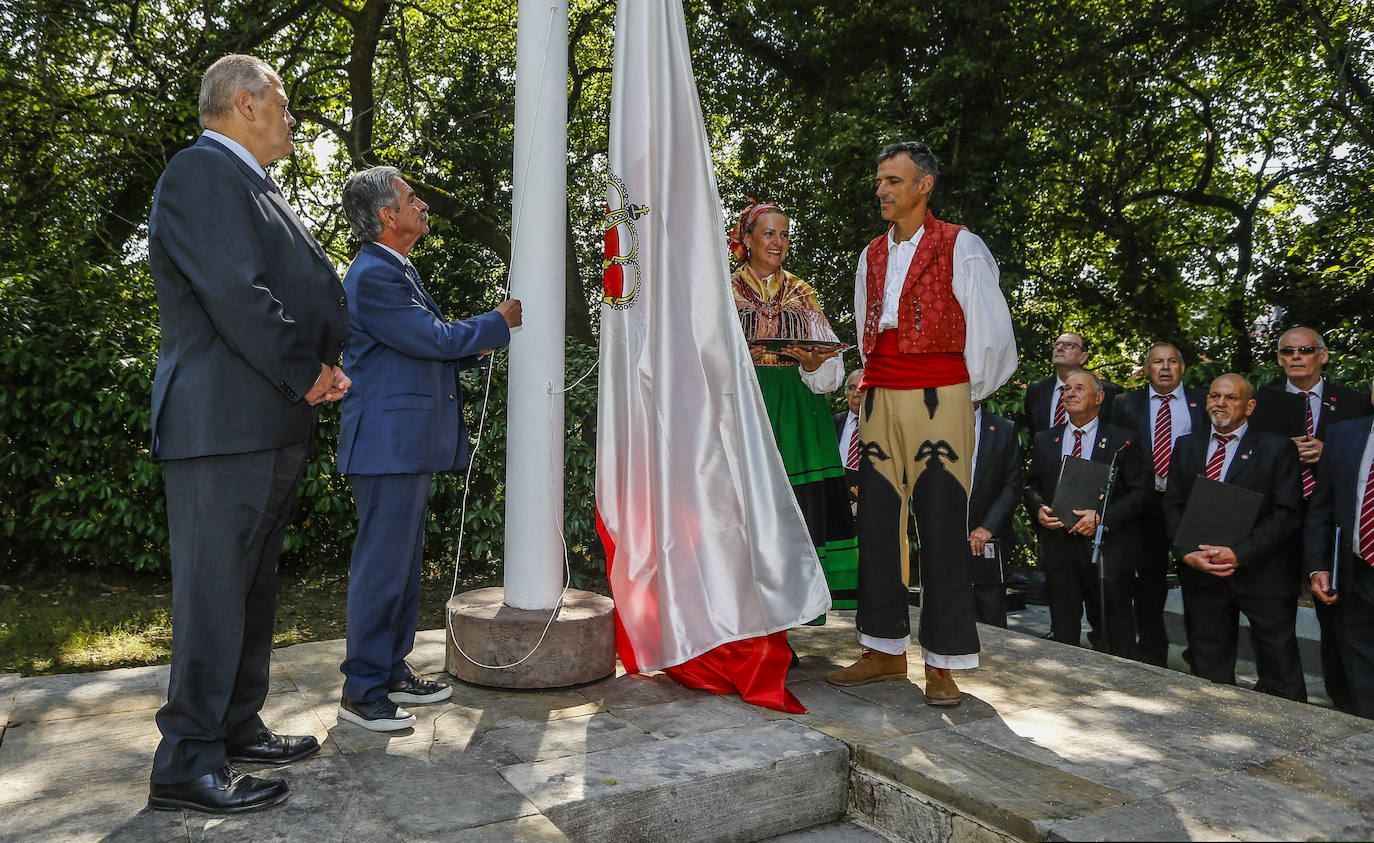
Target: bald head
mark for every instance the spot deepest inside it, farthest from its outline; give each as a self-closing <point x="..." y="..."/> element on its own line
<point x="1230" y="402"/>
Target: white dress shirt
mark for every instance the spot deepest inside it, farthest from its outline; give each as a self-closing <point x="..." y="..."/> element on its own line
<point x="1314" y="398"/>
<point x="851" y="429"/>
<point x="1362" y="477"/>
<point x="1181" y="422"/>
<point x="1055" y="392"/>
<point x="238" y="149"/>
<point x="989" y="345"/>
<point x="1231" y="447"/>
<point x="977" y="440"/>
<point x="1089" y="431"/>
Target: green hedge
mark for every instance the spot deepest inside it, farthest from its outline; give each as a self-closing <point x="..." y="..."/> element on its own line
<point x="78" y="347"/>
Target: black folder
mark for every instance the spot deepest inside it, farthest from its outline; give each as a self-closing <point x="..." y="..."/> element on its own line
<point x="1217" y="513"/>
<point x="1081" y="486"/>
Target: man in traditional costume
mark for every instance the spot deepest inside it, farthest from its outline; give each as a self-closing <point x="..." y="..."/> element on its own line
<point x="936" y="335"/>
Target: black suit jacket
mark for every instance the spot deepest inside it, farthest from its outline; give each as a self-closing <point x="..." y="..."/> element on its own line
<point x="1040" y="402"/>
<point x="1334" y="500"/>
<point x="1279" y="411"/>
<point x="1130" y="495"/>
<point x="997" y="484"/>
<point x="249" y="305"/>
<point x="1266" y="463"/>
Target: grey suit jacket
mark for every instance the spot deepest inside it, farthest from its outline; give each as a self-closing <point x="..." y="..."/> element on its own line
<point x="249" y="305"/>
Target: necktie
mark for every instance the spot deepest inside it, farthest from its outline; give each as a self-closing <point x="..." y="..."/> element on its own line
<point x="852" y="461"/>
<point x="1213" y="470"/>
<point x="1060" y="414"/>
<point x="272" y="185"/>
<point x="1367" y="519"/>
<point x="1078" y="443"/>
<point x="1309" y="480"/>
<point x="1164" y="436"/>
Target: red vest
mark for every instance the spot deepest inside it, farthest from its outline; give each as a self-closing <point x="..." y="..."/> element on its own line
<point x="929" y="318"/>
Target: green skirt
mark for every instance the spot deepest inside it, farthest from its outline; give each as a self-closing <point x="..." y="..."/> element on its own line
<point x="805" y="432"/>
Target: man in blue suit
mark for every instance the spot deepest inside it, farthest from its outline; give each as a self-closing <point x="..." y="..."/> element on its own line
<point x="402" y="422"/>
<point x="1344" y="495"/>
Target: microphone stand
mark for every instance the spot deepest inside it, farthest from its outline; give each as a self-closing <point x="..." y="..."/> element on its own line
<point x="1096" y="560"/>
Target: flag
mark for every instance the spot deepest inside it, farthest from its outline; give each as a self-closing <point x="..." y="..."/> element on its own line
<point x="708" y="557"/>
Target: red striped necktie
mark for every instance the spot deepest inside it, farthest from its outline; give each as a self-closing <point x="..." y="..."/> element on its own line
<point x="1164" y="436"/>
<point x="1060" y="414"/>
<point x="1078" y="444"/>
<point x="1213" y="470"/>
<point x="1309" y="480"/>
<point x="1367" y="518"/>
<point x="852" y="461"/>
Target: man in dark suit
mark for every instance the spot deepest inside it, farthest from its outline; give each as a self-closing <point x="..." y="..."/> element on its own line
<point x="847" y="432"/>
<point x="997" y="484"/>
<point x="1302" y="407"/>
<point x="402" y="422"/>
<point x="1345" y="496"/>
<point x="1157" y="415"/>
<point x="252" y="319"/>
<point x="1258" y="574"/>
<point x="1066" y="548"/>
<point x="1044" y="404"/>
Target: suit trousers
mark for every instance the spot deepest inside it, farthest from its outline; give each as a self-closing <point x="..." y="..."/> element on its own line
<point x="1150" y="590"/>
<point x="1072" y="582"/>
<point x="226" y="516"/>
<point x="1211" y="615"/>
<point x="917" y="445"/>
<point x="1358" y="620"/>
<point x="1335" y="672"/>
<point x="384" y="581"/>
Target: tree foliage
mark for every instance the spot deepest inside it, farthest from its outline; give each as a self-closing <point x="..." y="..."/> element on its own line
<point x="1191" y="170"/>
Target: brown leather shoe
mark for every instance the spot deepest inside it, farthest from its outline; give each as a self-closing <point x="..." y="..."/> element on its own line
<point x="940" y="687"/>
<point x="873" y="667"/>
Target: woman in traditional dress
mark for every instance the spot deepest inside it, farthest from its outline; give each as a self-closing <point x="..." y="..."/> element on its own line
<point x="776" y="305"/>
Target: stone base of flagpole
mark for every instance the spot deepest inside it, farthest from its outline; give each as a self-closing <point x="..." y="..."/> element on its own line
<point x="578" y="647"/>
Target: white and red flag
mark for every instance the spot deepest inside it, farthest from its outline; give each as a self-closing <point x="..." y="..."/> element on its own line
<point x="709" y="559"/>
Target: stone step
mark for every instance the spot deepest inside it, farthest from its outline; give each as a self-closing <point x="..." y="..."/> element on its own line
<point x="743" y="783"/>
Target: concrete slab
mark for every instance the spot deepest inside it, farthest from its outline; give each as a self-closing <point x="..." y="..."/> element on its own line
<point x="327" y="802"/>
<point x="837" y="832"/>
<point x="532" y="829"/>
<point x="428" y="790"/>
<point x="901" y="814"/>
<point x="114" y="813"/>
<point x="630" y="690"/>
<point x="721" y="785"/>
<point x="842" y="715"/>
<point x="568" y="736"/>
<point x="1013" y="794"/>
<point x="352" y="738"/>
<point x="81" y="694"/>
<point x="56" y="757"/>
<point x="496" y="708"/>
<point x="692" y="717"/>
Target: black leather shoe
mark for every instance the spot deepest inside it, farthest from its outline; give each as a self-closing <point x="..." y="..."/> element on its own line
<point x="417" y="691"/>
<point x="224" y="791"/>
<point x="379" y="715"/>
<point x="271" y="748"/>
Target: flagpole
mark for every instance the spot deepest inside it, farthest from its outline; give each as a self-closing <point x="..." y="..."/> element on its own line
<point x="534" y="420"/>
<point x="534" y="633"/>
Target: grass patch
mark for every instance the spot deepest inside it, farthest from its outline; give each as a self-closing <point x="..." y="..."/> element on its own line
<point x="80" y="621"/>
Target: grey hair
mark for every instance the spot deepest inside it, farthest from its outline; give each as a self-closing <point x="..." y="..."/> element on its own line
<point x="225" y="78"/>
<point x="849" y="377"/>
<point x="1145" y="358"/>
<point x="1321" y="341"/>
<point x="1097" y="382"/>
<point x="364" y="194"/>
<point x="919" y="154"/>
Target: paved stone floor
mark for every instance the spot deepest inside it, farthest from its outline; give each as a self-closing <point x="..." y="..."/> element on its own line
<point x="1051" y="742"/>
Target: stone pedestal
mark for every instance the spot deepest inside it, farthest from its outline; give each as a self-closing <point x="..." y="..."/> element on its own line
<point x="579" y="646"/>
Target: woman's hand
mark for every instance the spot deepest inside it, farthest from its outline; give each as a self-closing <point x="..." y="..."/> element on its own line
<point x="810" y="358"/>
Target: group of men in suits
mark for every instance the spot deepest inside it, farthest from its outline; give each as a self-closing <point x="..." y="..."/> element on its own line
<point x="1161" y="438"/>
<point x="253" y="320"/>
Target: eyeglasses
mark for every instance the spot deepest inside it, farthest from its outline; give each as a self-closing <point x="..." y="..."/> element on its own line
<point x="1290" y="350"/>
<point x="1067" y="344"/>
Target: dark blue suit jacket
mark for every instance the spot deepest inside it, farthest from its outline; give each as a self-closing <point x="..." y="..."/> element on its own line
<point x="1334" y="500"/>
<point x="249" y="304"/>
<point x="404" y="413"/>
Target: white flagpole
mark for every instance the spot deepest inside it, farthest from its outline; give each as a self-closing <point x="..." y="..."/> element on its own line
<point x="534" y="421"/>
